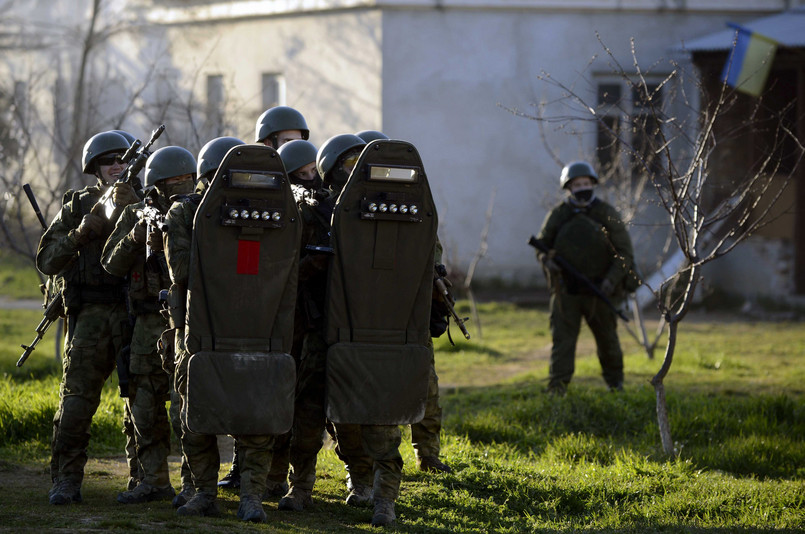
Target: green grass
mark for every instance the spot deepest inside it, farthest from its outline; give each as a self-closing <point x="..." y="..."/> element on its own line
<point x="523" y="461"/>
<point x="18" y="277"/>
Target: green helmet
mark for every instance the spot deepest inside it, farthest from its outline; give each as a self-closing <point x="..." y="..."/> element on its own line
<point x="371" y="135"/>
<point x="296" y="154"/>
<point x="277" y="119"/>
<point x="100" y="144"/>
<point x="130" y="138"/>
<point x="334" y="148"/>
<point x="212" y="154"/>
<point x="576" y="169"/>
<point x="167" y="162"/>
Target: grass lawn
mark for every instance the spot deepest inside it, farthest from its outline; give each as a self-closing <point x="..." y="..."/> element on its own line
<point x="523" y="461"/>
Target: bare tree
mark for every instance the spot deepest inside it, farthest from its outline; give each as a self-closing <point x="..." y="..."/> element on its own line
<point x="708" y="214"/>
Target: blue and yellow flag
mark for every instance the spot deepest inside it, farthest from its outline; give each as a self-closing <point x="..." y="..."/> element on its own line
<point x="749" y="63"/>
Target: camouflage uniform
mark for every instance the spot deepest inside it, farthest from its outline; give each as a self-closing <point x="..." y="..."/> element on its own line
<point x="97" y="329"/>
<point x="201" y="450"/>
<point x="150" y="388"/>
<point x="594" y="240"/>
<point x="309" y="417"/>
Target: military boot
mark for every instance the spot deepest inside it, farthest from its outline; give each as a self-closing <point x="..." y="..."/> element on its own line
<point x="231" y="480"/>
<point x="275" y="488"/>
<point x="360" y="496"/>
<point x="145" y="492"/>
<point x="65" y="492"/>
<point x="201" y="504"/>
<point x="431" y="464"/>
<point x="251" y="509"/>
<point x="383" y="515"/>
<point x="184" y="496"/>
<point x="296" y="500"/>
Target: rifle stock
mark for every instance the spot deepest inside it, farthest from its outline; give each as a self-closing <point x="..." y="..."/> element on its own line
<point x="442" y="285"/>
<point x="572" y="271"/>
<point x="52" y="313"/>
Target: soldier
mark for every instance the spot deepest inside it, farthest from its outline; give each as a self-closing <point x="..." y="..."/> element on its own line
<point x="97" y="321"/>
<point x="275" y="127"/>
<point x="424" y="434"/>
<point x="169" y="171"/>
<point x="201" y="449"/>
<point x="278" y="125"/>
<point x="177" y="251"/>
<point x="315" y="208"/>
<point x="590" y="235"/>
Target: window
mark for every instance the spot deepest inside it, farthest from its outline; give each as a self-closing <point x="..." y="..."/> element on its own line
<point x="630" y="130"/>
<point x="273" y="90"/>
<point x="215" y="102"/>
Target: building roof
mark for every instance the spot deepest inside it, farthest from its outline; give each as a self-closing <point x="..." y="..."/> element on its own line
<point x="787" y="28"/>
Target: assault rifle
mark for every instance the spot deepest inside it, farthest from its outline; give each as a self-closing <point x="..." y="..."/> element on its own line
<point x="135" y="157"/>
<point x="53" y="305"/>
<point x="443" y="286"/>
<point x="572" y="271"/>
<point x="153" y="219"/>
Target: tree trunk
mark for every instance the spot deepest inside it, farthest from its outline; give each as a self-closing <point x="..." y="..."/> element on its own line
<point x="659" y="389"/>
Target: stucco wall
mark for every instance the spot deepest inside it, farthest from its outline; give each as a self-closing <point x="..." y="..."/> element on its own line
<point x="448" y="74"/>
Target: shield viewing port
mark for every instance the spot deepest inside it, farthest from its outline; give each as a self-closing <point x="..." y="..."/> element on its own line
<point x="254" y="180"/>
<point x="393" y="174"/>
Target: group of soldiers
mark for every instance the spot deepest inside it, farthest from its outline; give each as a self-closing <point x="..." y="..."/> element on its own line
<point x="132" y="260"/>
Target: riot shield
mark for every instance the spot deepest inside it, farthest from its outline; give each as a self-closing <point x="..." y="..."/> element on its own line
<point x="241" y="296"/>
<point x="380" y="288"/>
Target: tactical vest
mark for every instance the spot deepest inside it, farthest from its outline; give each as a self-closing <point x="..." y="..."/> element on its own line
<point x="242" y="284"/>
<point x="85" y="280"/>
<point x="379" y="289"/>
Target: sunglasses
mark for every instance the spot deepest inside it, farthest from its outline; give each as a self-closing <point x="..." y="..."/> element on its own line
<point x="110" y="160"/>
<point x="351" y="160"/>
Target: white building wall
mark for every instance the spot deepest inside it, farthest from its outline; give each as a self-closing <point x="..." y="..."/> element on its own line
<point x="448" y="76"/>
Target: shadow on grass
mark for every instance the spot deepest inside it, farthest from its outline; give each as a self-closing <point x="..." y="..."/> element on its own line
<point x="757" y="436"/>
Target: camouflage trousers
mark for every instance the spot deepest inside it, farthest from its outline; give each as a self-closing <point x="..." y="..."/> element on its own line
<point x="309" y="418"/>
<point x="174" y="413"/>
<point x="566" y="314"/>
<point x="201" y="450"/>
<point x="96" y="335"/>
<point x="147" y="397"/>
<point x="425" y="434"/>
<point x="372" y="456"/>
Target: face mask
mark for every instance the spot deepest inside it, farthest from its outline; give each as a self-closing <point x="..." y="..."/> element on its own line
<point x="182" y="188"/>
<point x="583" y="195"/>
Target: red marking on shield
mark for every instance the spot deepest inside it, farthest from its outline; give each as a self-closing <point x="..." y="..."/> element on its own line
<point x="135" y="276"/>
<point x="248" y="257"/>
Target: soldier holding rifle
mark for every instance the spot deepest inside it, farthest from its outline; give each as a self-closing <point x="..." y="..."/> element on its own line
<point x="588" y="237"/>
<point x="94" y="302"/>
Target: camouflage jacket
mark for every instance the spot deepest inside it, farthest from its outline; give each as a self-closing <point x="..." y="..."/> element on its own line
<point x="79" y="263"/>
<point x="593" y="239"/>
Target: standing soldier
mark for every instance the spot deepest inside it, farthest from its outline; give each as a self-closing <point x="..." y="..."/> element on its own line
<point x="275" y="127"/>
<point x="425" y="434"/>
<point x="168" y="172"/>
<point x="94" y="300"/>
<point x="178" y="235"/>
<point x="315" y="208"/>
<point x="589" y="234"/>
<point x="383" y="237"/>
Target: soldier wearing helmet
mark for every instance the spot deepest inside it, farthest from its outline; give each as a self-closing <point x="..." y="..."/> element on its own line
<point x="589" y="234"/>
<point x="179" y="223"/>
<point x="425" y="434"/>
<point x="168" y="171"/>
<point x="97" y="322"/>
<point x="278" y="125"/>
